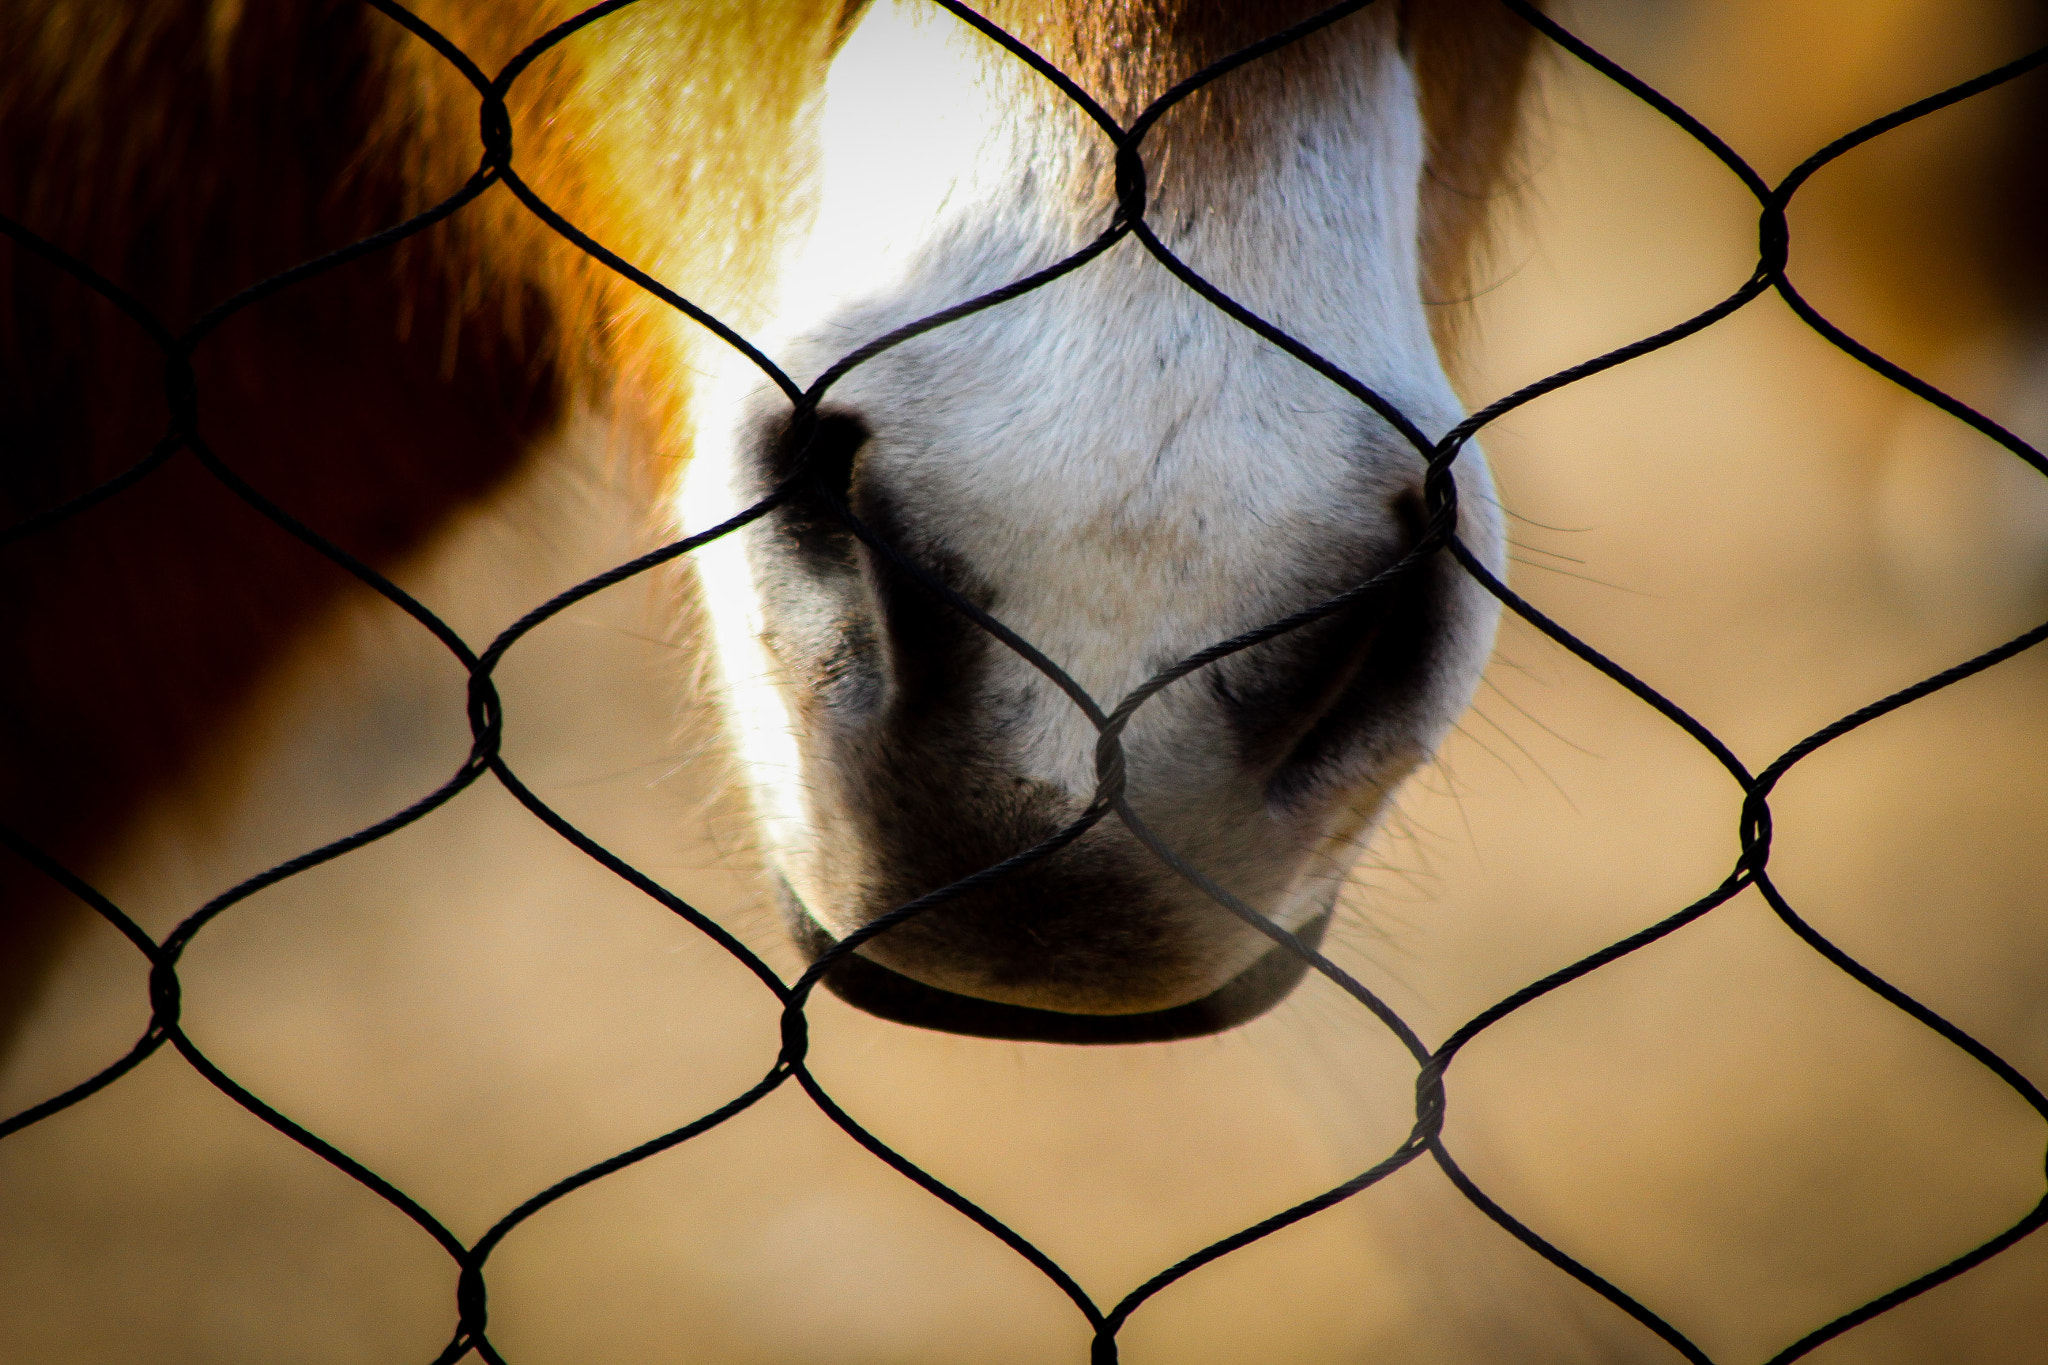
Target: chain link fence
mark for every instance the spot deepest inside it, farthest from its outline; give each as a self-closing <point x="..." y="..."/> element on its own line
<point x="185" y="440"/>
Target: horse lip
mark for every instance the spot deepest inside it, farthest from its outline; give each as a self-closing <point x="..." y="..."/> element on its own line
<point x="869" y="986"/>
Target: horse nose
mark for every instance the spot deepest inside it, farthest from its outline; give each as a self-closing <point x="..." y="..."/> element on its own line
<point x="935" y="756"/>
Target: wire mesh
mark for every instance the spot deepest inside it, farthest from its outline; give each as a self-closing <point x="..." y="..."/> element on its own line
<point x="185" y="439"/>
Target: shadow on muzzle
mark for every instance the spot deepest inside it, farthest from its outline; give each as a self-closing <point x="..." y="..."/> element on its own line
<point x="869" y="986"/>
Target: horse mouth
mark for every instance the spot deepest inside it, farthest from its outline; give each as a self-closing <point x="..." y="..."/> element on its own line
<point x="869" y="986"/>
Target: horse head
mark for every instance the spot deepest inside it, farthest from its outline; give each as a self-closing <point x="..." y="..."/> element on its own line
<point x="1115" y="473"/>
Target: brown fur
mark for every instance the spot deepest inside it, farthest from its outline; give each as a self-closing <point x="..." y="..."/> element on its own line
<point x="185" y="149"/>
<point x="1471" y="60"/>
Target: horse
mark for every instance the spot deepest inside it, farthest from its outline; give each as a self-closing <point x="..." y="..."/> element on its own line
<point x="1113" y="470"/>
<point x="381" y="402"/>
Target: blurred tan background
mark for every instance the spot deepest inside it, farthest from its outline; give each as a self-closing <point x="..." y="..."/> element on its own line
<point x="1722" y="1124"/>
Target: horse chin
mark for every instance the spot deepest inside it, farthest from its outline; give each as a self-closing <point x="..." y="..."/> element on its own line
<point x="869" y="986"/>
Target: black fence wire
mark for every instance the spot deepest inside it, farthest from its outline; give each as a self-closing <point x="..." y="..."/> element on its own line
<point x="486" y="719"/>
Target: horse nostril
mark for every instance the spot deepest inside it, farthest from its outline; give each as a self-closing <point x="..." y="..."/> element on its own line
<point x="832" y="449"/>
<point x="889" y="576"/>
<point x="826" y="452"/>
<point x="1305" y="702"/>
<point x="931" y="649"/>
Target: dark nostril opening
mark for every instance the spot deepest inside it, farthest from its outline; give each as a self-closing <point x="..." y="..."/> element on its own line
<point x="887" y="630"/>
<point x="827" y="450"/>
<point x="832" y="443"/>
<point x="1303" y="703"/>
<point x="930" y="647"/>
<point x="835" y="453"/>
